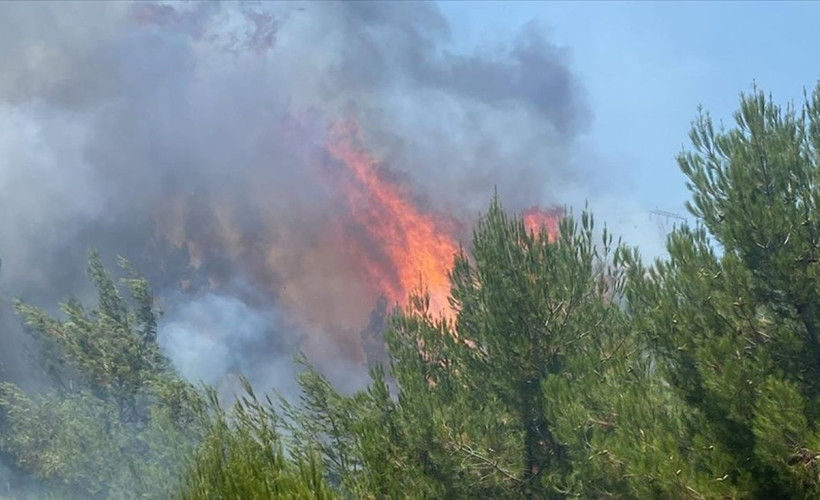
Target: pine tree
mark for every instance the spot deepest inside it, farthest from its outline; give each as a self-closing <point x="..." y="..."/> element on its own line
<point x="509" y="400"/>
<point x="732" y="316"/>
<point x="118" y="422"/>
<point x="242" y="456"/>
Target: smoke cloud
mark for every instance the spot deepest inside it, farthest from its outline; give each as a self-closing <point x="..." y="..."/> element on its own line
<point x="191" y="139"/>
<point x="213" y="337"/>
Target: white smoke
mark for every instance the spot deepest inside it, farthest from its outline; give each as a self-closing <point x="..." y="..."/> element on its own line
<point x="211" y="340"/>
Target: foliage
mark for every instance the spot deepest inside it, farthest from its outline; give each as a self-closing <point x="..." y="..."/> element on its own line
<point x="734" y="328"/>
<point x="242" y="457"/>
<point x="509" y="399"/>
<point x="118" y="422"/>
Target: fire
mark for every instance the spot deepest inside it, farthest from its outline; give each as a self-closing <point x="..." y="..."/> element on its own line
<point x="325" y="265"/>
<point x="537" y="219"/>
<point x="415" y="246"/>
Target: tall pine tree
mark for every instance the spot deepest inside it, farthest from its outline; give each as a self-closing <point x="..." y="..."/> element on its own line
<point x="517" y="397"/>
<point x="732" y="316"/>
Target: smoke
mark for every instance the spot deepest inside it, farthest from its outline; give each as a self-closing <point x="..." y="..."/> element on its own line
<point x="216" y="339"/>
<point x="191" y="139"/>
<point x="203" y="336"/>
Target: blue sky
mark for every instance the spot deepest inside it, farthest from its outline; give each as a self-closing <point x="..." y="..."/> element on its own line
<point x="645" y="68"/>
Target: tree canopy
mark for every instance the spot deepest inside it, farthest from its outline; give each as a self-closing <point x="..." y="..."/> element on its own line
<point x="117" y="421"/>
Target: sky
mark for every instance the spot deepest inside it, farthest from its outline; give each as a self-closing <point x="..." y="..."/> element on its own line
<point x="645" y="68"/>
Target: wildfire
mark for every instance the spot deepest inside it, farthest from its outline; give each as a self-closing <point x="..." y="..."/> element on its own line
<point x="537" y="219"/>
<point x="326" y="265"/>
<point x="314" y="227"/>
<point x="415" y="246"/>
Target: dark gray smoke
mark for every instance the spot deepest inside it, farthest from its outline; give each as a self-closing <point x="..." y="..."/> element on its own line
<point x="189" y="138"/>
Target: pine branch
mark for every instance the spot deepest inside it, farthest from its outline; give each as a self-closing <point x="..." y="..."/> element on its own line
<point x="486" y="461"/>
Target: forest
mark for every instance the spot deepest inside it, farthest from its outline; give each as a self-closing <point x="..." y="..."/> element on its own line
<point x="570" y="368"/>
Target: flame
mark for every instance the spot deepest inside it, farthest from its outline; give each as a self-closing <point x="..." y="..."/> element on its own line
<point x="325" y="264"/>
<point x="416" y="246"/>
<point x="537" y="219"/>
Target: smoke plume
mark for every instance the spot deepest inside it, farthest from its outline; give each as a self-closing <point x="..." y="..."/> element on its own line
<point x="193" y="139"/>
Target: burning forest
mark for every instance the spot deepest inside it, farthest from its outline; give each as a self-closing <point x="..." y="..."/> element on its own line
<point x="215" y="219"/>
<point x="289" y="170"/>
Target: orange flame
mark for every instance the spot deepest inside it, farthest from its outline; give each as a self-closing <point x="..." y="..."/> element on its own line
<point x="327" y="268"/>
<point x="537" y="219"/>
<point x="415" y="244"/>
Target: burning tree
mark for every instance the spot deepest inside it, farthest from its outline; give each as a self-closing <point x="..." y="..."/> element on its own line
<point x="701" y="381"/>
<point x="491" y="406"/>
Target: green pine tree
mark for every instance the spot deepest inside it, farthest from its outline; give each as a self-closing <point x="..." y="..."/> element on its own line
<point x="732" y="317"/>
<point x="118" y="422"/>
<point x="515" y="398"/>
<point x="242" y="456"/>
